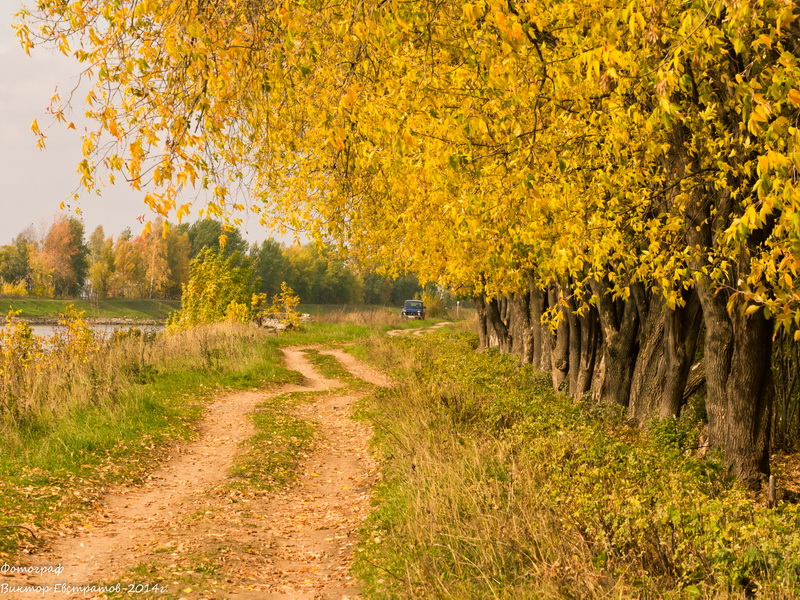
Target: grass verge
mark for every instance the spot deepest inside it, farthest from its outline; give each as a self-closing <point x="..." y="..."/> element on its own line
<point x="281" y="441"/>
<point x="60" y="456"/>
<point x="117" y="308"/>
<point x="494" y="486"/>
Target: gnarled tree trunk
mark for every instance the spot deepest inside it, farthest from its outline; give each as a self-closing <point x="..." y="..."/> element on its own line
<point x="483" y="325"/>
<point x="650" y="371"/>
<point x="667" y="345"/>
<point x="583" y="338"/>
<point x="492" y="327"/>
<point x="540" y="333"/>
<point x="619" y="321"/>
<point x="737" y="348"/>
<point x="681" y="335"/>
<point x="738" y="354"/>
<point x="519" y="325"/>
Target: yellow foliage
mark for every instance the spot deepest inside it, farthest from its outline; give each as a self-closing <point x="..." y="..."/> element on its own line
<point x="473" y="143"/>
<point x="26" y="357"/>
<point x="18" y="289"/>
<point x="237" y="312"/>
<point x="284" y="307"/>
<point x="74" y="338"/>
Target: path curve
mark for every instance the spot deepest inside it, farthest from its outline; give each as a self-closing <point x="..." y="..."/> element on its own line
<point x="419" y="330"/>
<point x="302" y="538"/>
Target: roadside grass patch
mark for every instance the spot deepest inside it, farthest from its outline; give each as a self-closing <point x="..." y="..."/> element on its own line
<point x="331" y="368"/>
<point x="494" y="486"/>
<point x="281" y="441"/>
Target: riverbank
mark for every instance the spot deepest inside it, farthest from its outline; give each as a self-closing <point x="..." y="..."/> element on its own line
<point x="113" y="311"/>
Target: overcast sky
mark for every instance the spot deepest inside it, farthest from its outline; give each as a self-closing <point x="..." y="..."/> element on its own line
<point x="34" y="182"/>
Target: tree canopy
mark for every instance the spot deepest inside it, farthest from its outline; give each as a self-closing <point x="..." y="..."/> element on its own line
<point x="480" y="138"/>
<point x="618" y="154"/>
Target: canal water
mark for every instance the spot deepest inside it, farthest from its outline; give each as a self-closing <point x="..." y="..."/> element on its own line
<point x="105" y="330"/>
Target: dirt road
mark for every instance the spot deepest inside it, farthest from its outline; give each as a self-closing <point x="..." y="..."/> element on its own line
<point x="419" y="330"/>
<point x="294" y="544"/>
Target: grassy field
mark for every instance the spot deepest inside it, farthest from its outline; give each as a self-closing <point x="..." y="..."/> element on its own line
<point x="157" y="310"/>
<point x="494" y="486"/>
<point x="321" y="310"/>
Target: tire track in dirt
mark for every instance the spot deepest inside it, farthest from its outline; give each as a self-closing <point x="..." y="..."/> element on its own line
<point x="293" y="544"/>
<point x="419" y="330"/>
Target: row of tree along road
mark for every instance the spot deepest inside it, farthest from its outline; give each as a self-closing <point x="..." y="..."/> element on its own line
<point x="623" y="172"/>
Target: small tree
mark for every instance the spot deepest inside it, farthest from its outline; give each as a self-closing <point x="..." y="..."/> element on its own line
<point x="219" y="288"/>
<point x="284" y="307"/>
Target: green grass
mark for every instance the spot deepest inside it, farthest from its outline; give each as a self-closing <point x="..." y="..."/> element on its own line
<point x="494" y="486"/>
<point x="281" y="440"/>
<point x="112" y="308"/>
<point x="324" y="333"/>
<point x="319" y="310"/>
<point x="331" y="368"/>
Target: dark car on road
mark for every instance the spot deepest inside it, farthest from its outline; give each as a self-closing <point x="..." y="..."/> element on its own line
<point x="413" y="309"/>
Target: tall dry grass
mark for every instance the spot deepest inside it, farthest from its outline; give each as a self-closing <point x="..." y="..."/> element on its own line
<point x="473" y="521"/>
<point x="80" y="412"/>
<point x="44" y="378"/>
<point x="373" y="319"/>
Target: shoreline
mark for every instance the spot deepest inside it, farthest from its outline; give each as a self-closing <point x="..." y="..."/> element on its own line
<point x="133" y="321"/>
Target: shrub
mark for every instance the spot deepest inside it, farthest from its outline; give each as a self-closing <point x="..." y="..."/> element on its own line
<point x="284" y="307"/>
<point x="216" y="281"/>
<point x="14" y="290"/>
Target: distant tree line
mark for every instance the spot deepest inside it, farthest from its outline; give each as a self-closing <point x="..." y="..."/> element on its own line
<point x="62" y="262"/>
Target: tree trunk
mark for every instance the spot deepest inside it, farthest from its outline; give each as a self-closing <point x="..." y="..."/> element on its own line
<point x="519" y="326"/>
<point x="620" y="323"/>
<point x="559" y="347"/>
<point x="738" y="386"/>
<point x="695" y="381"/>
<point x="483" y="326"/>
<point x="649" y="375"/>
<point x="737" y="348"/>
<point x="667" y="346"/>
<point x="575" y="339"/>
<point x="590" y="337"/>
<point x="786" y="362"/>
<point x="541" y="335"/>
<point x="599" y="375"/>
<point x="583" y="331"/>
<point x="497" y="326"/>
<point x="681" y="335"/>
